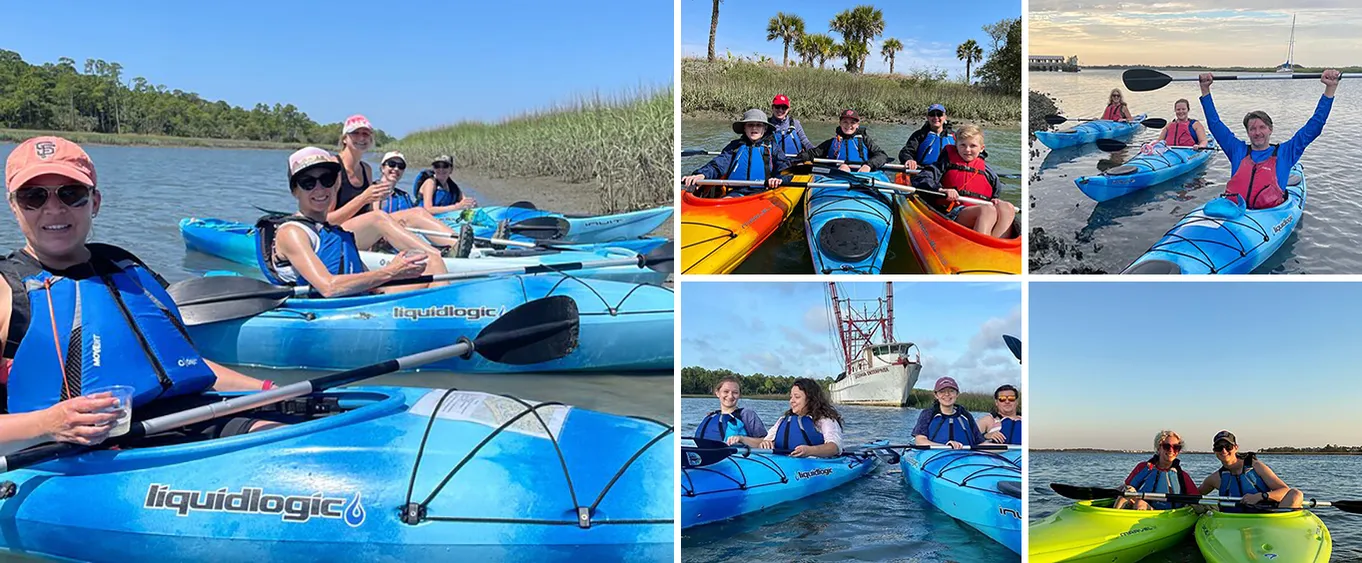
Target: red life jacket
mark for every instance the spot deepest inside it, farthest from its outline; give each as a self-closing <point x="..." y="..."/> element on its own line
<point x="1181" y="134"/>
<point x="1255" y="183"/>
<point x="1113" y="112"/>
<point x="969" y="179"/>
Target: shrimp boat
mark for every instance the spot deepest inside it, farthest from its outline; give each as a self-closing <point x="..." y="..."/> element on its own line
<point x="1290" y="66"/>
<point x="879" y="375"/>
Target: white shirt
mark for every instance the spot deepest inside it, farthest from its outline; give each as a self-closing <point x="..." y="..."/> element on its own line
<point x="832" y="432"/>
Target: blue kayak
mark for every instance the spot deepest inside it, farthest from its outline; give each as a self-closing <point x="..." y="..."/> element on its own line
<point x="235" y="242"/>
<point x="1089" y="132"/>
<point x="387" y="474"/>
<point x="753" y="480"/>
<point x="528" y="223"/>
<point x="1202" y="244"/>
<point x="979" y="488"/>
<point x="1143" y="171"/>
<point x="624" y="327"/>
<point x="848" y="229"/>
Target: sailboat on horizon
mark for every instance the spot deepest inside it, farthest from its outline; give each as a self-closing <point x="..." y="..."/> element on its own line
<point x="1289" y="65"/>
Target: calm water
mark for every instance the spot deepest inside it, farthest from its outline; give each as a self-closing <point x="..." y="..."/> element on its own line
<point x="148" y="190"/>
<point x="1082" y="236"/>
<point x="876" y="518"/>
<point x="787" y="251"/>
<point x="1320" y="477"/>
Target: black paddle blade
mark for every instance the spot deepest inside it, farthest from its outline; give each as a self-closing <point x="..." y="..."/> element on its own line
<point x="537" y="331"/>
<point x="1144" y="79"/>
<point x="1111" y="145"/>
<point x="694" y="152"/>
<point x="1084" y="493"/>
<point x="887" y="456"/>
<point x="523" y="205"/>
<point x="1055" y="119"/>
<point x="543" y="228"/>
<point x="1013" y="344"/>
<point x="1353" y="506"/>
<point x="1010" y="488"/>
<point x="1155" y="123"/>
<point x="224" y="298"/>
<point x="661" y="259"/>
<point x="705" y="452"/>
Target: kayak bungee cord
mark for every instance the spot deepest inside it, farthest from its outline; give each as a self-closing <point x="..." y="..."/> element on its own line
<point x="613" y="309"/>
<point x="1205" y="259"/>
<point x="416" y="513"/>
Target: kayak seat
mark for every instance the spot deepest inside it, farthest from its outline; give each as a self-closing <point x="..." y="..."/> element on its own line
<point x="1294" y="180"/>
<point x="1122" y="170"/>
<point x="1010" y="488"/>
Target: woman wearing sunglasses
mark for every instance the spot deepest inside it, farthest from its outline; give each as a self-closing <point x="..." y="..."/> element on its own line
<point x="1244" y="475"/>
<point x="437" y="190"/>
<point x="1117" y="110"/>
<point x="307" y="249"/>
<point x="80" y="315"/>
<point x="924" y="146"/>
<point x="1161" y="474"/>
<point x="354" y="206"/>
<point x="1003" y="425"/>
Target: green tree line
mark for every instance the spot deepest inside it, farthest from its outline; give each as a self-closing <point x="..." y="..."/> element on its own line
<point x="701" y="381"/>
<point x="98" y="98"/>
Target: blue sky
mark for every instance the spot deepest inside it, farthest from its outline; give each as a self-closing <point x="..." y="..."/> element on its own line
<point x="407" y="66"/>
<point x="783" y="328"/>
<point x="1111" y="364"/>
<point x="1196" y="32"/>
<point x="929" y="36"/>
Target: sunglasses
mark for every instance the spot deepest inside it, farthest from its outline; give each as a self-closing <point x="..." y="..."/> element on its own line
<point x="325" y="180"/>
<point x="440" y="165"/>
<point x="780" y="107"/>
<point x="34" y="198"/>
<point x="1011" y="399"/>
<point x="396" y="164"/>
<point x="1222" y="448"/>
<point x="936" y="114"/>
<point x="1170" y="447"/>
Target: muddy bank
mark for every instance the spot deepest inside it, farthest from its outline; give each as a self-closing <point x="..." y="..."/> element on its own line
<point x="546" y="193"/>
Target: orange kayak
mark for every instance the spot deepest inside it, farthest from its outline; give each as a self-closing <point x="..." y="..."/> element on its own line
<point x="718" y="234"/>
<point x="946" y="247"/>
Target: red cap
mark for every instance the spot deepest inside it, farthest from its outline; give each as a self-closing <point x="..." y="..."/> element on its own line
<point x="945" y="382"/>
<point x="48" y="155"/>
<point x="781" y="100"/>
<point x="849" y="113"/>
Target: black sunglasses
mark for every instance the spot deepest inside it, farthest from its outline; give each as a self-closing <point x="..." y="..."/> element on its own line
<point x="935" y="113"/>
<point x="34" y="198"/>
<point x="1171" y="447"/>
<point x="440" y="165"/>
<point x="394" y="163"/>
<point x="326" y="179"/>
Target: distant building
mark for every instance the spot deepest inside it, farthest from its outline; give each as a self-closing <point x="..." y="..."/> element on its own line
<point x="1052" y="63"/>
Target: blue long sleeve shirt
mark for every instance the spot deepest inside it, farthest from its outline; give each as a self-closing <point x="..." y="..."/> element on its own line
<point x="1288" y="153"/>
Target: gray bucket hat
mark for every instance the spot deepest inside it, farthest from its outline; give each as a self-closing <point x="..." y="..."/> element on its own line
<point x="751" y="116"/>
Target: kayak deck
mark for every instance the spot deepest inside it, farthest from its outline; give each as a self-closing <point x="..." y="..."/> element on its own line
<point x="1288" y="535"/>
<point x="1092" y="531"/>
<point x="848" y="228"/>
<point x="943" y="246"/>
<point x="1089" y="132"/>
<point x="717" y="234"/>
<point x="1142" y="172"/>
<point x="973" y="487"/>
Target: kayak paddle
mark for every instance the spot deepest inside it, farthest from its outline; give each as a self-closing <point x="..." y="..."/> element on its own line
<point x="1112" y="145"/>
<point x="1148" y="79"/>
<point x="1092" y="493"/>
<point x="498" y="241"/>
<point x="224" y="298"/>
<point x="848" y="177"/>
<point x="699" y="152"/>
<point x="1152" y="122"/>
<point x="897" y="168"/>
<point x="536" y="331"/>
<point x="1013" y="344"/>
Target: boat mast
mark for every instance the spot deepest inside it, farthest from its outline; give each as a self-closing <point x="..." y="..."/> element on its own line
<point x="858" y="329"/>
<point x="1291" y="46"/>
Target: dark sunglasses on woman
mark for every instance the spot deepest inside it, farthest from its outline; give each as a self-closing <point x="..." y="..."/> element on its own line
<point x="33" y="198"/>
<point x="327" y="179"/>
<point x="396" y="164"/>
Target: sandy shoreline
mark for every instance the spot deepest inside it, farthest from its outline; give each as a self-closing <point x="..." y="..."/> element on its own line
<point x="546" y="193"/>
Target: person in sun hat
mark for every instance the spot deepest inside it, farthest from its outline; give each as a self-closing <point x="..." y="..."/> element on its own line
<point x="436" y="189"/>
<point x="73" y="302"/>
<point x="946" y="423"/>
<point x="788" y="131"/>
<point x="1244" y="475"/>
<point x="925" y="145"/>
<point x="752" y="156"/>
<point x="305" y="249"/>
<point x="850" y="144"/>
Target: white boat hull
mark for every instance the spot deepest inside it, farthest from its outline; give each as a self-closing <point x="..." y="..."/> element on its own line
<point x="881" y="386"/>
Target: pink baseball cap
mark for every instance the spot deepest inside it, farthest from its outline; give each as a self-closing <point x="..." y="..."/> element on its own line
<point x="945" y="383"/>
<point x="307" y="157"/>
<point x="47" y="155"/>
<point x="355" y="123"/>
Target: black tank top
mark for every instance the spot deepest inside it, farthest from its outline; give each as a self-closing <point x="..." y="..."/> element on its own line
<point x="348" y="191"/>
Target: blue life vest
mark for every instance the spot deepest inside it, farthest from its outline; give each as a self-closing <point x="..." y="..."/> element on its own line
<point x="851" y="150"/>
<point x="751" y="162"/>
<point x="1012" y="430"/>
<point x="106" y="322"/>
<point x="444" y="195"/>
<point x="718" y="426"/>
<point x="787" y="137"/>
<point x="794" y="431"/>
<point x="1151" y="479"/>
<point x="336" y="248"/>
<point x="956" y="427"/>
<point x="396" y="201"/>
<point x="1248" y="482"/>
<point x="929" y="150"/>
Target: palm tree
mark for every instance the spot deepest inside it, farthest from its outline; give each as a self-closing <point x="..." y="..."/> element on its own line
<point x="824" y="48"/>
<point x="969" y="52"/>
<point x="853" y="52"/>
<point x="805" y="48"/>
<point x="860" y="25"/>
<point x="713" y="28"/>
<point x="890" y="47"/>
<point x="786" y="27"/>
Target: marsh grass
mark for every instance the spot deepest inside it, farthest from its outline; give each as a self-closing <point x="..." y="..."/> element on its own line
<point x="731" y="87"/>
<point x="622" y="147"/>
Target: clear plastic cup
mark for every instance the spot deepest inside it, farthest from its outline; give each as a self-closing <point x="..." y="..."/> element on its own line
<point x="124" y="395"/>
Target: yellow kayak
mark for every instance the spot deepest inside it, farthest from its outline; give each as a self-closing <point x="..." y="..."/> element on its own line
<point x="718" y="234"/>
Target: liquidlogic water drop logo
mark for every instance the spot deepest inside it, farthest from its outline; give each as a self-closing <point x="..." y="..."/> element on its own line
<point x="354" y="512"/>
<point x="293" y="509"/>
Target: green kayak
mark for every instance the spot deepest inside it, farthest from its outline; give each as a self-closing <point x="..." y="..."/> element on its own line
<point x="1093" y="531"/>
<point x="1297" y="536"/>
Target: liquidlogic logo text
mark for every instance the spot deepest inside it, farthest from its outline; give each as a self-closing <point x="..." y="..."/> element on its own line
<point x="446" y="312"/>
<point x="251" y="500"/>
<point x="820" y="472"/>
